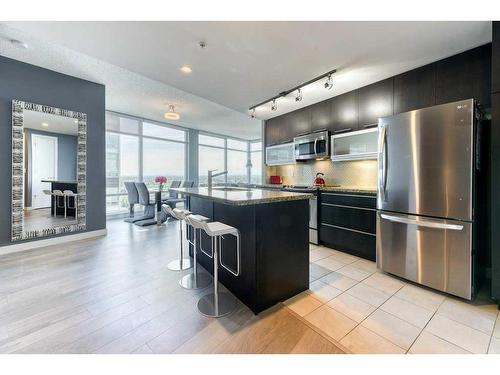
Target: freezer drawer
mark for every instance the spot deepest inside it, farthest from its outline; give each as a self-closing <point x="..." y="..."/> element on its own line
<point x="431" y="252"/>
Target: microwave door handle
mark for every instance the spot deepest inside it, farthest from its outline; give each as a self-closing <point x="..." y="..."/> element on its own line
<point x="421" y="223"/>
<point x="315" y="144"/>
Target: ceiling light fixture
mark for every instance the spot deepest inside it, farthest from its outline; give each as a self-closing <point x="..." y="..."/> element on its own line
<point x="329" y="82"/>
<point x="171" y="114"/>
<point x="19" y="44"/>
<point x="45" y="125"/>
<point x="186" y="69"/>
<point x="328" y="85"/>
<point x="298" y="98"/>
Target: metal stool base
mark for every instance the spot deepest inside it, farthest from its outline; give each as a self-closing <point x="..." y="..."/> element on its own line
<point x="180" y="264"/>
<point x="206" y="305"/>
<point x="202" y="281"/>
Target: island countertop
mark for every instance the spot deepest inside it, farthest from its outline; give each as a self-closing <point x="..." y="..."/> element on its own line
<point x="241" y="196"/>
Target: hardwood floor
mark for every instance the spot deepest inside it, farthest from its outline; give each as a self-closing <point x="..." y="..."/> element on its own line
<point x="115" y="295"/>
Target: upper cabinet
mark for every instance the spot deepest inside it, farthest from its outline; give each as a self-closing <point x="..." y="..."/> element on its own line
<point x="463" y="76"/>
<point x="274" y="129"/>
<point x="298" y="123"/>
<point x="321" y="116"/>
<point x="344" y="112"/>
<point x="415" y="89"/>
<point x="375" y="101"/>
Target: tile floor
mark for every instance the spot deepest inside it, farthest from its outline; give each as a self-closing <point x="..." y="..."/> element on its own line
<point x="367" y="311"/>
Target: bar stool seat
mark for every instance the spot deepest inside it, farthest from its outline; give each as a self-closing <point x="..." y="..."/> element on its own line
<point x="181" y="263"/>
<point x="219" y="304"/>
<point x="195" y="280"/>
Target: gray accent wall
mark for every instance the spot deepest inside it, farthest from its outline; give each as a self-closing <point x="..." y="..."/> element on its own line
<point x="42" y="86"/>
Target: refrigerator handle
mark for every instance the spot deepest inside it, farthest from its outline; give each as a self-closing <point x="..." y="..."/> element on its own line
<point x="382" y="163"/>
<point x="421" y="223"/>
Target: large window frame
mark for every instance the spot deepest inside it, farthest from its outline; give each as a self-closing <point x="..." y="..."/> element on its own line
<point x="141" y="137"/>
<point x="227" y="148"/>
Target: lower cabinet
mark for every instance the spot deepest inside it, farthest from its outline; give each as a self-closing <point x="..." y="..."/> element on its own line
<point x="348" y="223"/>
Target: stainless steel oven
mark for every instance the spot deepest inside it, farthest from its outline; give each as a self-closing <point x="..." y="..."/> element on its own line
<point x="312" y="146"/>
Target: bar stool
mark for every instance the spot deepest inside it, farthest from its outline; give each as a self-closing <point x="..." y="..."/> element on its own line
<point x="67" y="195"/>
<point x="52" y="210"/>
<point x="218" y="304"/>
<point x="181" y="263"/>
<point x="57" y="195"/>
<point x="195" y="280"/>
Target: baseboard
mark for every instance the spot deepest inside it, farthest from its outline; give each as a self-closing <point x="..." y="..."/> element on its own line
<point x="51" y="241"/>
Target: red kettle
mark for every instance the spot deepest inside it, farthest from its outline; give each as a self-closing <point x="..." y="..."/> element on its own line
<point x="319" y="180"/>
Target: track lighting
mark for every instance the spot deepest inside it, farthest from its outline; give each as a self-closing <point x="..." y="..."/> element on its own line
<point x="298" y="98"/>
<point x="329" y="82"/>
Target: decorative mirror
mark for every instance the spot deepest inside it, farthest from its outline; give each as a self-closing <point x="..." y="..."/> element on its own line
<point x="49" y="147"/>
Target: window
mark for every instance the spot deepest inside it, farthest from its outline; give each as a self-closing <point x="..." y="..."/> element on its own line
<point x="163" y="158"/>
<point x="161" y="131"/>
<point x="242" y="159"/>
<point x="210" y="158"/>
<point x="122" y="164"/>
<point x="161" y="148"/>
<point x="256" y="159"/>
<point x="209" y="140"/>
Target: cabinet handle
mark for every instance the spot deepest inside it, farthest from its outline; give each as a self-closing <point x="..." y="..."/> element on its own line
<point x="342" y="130"/>
<point x="371" y="125"/>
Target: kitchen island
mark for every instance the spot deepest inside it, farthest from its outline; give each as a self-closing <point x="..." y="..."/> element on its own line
<point x="274" y="229"/>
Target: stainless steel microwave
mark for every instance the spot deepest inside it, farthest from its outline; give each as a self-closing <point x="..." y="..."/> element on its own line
<point x="312" y="146"/>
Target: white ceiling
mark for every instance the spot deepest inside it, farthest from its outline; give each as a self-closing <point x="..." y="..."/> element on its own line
<point x="56" y="124"/>
<point x="247" y="62"/>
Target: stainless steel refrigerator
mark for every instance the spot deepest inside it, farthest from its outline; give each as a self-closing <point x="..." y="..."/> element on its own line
<point x="426" y="166"/>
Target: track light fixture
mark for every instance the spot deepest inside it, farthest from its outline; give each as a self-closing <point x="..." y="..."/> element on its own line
<point x="274" y="106"/>
<point x="298" y="98"/>
<point x="329" y="82"/>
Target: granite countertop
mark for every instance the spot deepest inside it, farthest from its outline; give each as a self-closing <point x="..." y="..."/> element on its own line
<point x="242" y="196"/>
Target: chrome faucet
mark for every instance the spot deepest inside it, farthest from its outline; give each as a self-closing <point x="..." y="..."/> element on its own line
<point x="211" y="175"/>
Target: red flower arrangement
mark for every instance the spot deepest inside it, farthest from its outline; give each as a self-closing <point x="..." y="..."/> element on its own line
<point x="161" y="180"/>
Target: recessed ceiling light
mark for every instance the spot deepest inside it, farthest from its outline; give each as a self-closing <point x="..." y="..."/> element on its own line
<point x="171" y="114"/>
<point x="45" y="125"/>
<point x="76" y="121"/>
<point x="19" y="43"/>
<point x="186" y="69"/>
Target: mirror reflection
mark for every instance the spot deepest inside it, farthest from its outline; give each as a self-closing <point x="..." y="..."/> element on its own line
<point x="50" y="170"/>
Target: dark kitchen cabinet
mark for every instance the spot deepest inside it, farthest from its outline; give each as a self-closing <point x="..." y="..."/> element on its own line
<point x="463" y="76"/>
<point x="321" y="116"/>
<point x="495" y="58"/>
<point x="375" y="101"/>
<point x="274" y="130"/>
<point x="344" y="112"/>
<point x="298" y="123"/>
<point x="415" y="89"/>
<point x="348" y="222"/>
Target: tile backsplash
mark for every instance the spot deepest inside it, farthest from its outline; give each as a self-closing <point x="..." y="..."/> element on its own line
<point x="359" y="173"/>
